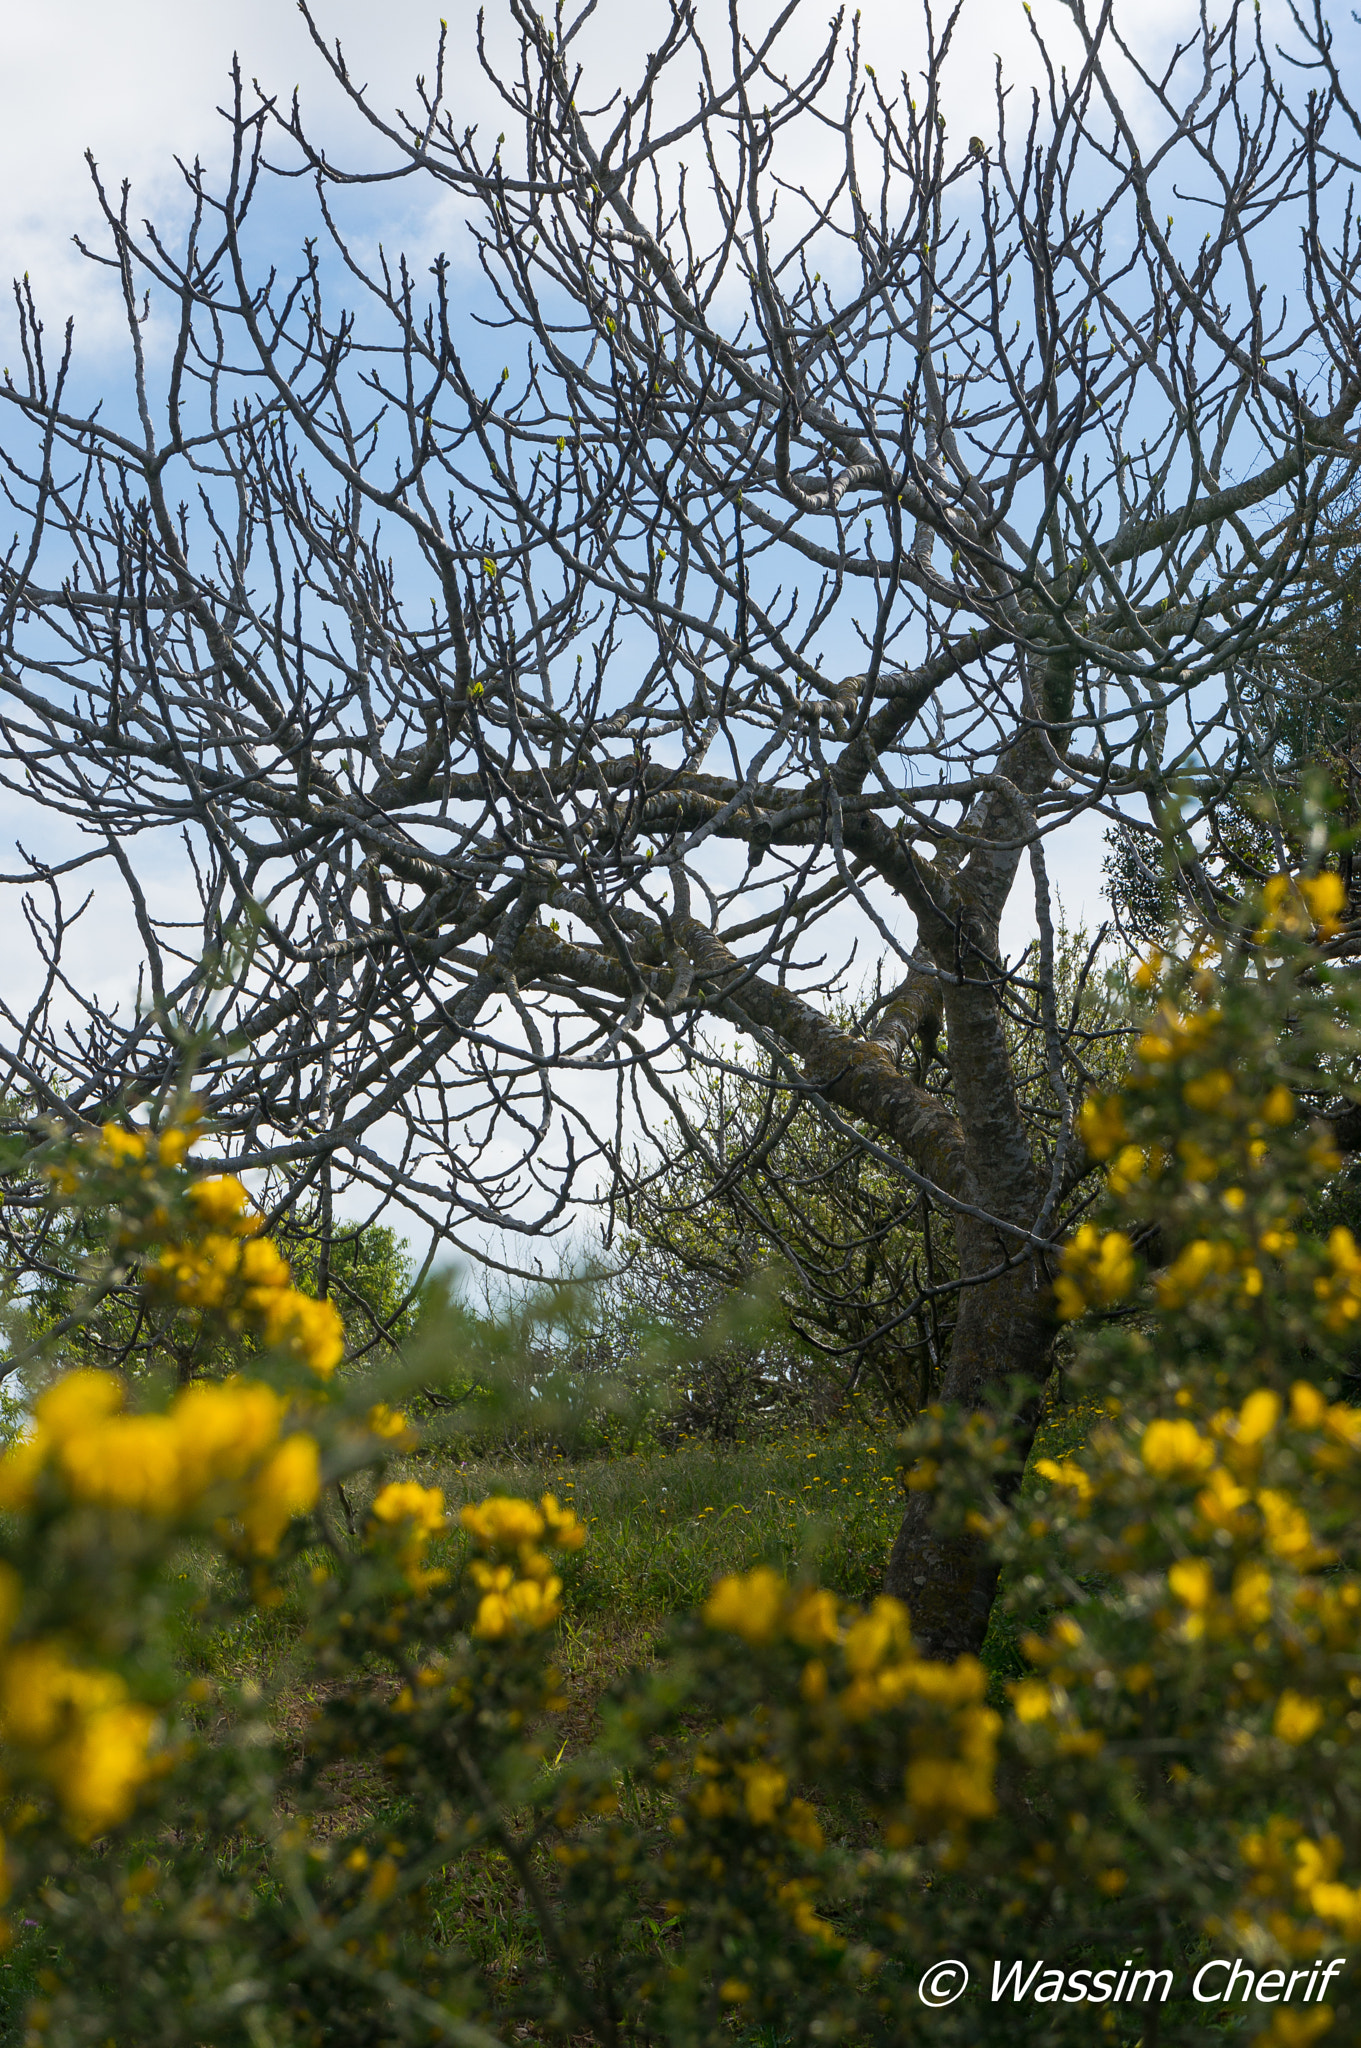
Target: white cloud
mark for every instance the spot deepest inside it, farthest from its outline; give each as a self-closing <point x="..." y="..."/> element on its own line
<point x="139" y="83"/>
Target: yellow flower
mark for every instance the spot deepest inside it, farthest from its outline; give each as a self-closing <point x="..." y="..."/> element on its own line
<point x="1174" y="1035"/>
<point x="173" y="1144"/>
<point x="1279" y="1106"/>
<point x="1032" y="1699"/>
<point x="311" y="1330"/>
<point x="1296" y="1718"/>
<point x="562" y="1526"/>
<point x="126" y="1461"/>
<point x="1197" y="1264"/>
<point x="1208" y="1092"/>
<point x="1191" y="1579"/>
<point x="1129" y="1166"/>
<point x="1252" y="1595"/>
<point x="794" y="1896"/>
<point x="77" y="1400"/>
<point x="763" y="1790"/>
<point x="1198" y="1165"/>
<point x="1258" y="1416"/>
<point x="403" y="1500"/>
<point x="1326" y="896"/>
<point x="812" y="1619"/>
<point x="81" y="1730"/>
<point x="386" y="1422"/>
<point x="1095" y="1271"/>
<point x="221" y="1200"/>
<point x="500" y="1522"/>
<point x="117" y="1146"/>
<point x="223" y="1431"/>
<point x="1176" y="1450"/>
<point x="1065" y="1474"/>
<point x="748" y="1607"/>
<point x="1342" y="1291"/>
<point x="802" y="1826"/>
<point x="874" y="1637"/>
<point x="1286" y="1528"/>
<point x="100" y="1766"/>
<point x="524" y="1604"/>
<point x="1316" y="1862"/>
<point x="263" y="1265"/>
<point x="960" y="1787"/>
<point x="1101" y="1124"/>
<point x="1221" y="1499"/>
<point x="286" y="1486"/>
<point x="1343" y="1253"/>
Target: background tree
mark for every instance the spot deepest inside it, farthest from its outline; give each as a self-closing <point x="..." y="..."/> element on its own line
<point x="812" y="516"/>
<point x="749" y="1174"/>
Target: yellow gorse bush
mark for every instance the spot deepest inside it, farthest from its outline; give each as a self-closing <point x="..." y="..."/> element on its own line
<point x="863" y="1664"/>
<point x="228" y="1267"/>
<point x="225" y="1450"/>
<point x="215" y="1442"/>
<point x="525" y="1594"/>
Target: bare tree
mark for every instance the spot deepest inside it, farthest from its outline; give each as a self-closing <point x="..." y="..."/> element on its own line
<point x="764" y="558"/>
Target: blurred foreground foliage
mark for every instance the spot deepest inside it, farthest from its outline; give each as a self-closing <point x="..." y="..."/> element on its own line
<point x="787" y="1816"/>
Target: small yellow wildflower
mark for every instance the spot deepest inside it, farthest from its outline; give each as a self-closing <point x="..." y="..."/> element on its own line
<point x="1258" y="1416"/>
<point x="386" y="1422"/>
<point x="501" y="1522"/>
<point x="1208" y="1092"/>
<point x="874" y="1637"/>
<point x="1326" y="896"/>
<point x="1252" y="1595"/>
<point x="1096" y="1271"/>
<point x="812" y="1619"/>
<point x="1101" y="1125"/>
<point x="1176" y="1449"/>
<point x="404" y="1500"/>
<point x="1032" y="1700"/>
<point x="286" y="1486"/>
<point x="1191" y="1579"/>
<point x="1279" y="1106"/>
<point x="524" y="1604"/>
<point x="1296" y="1718"/>
<point x="763" y="1789"/>
<point x="1194" y="1268"/>
<point x="118" y="1147"/>
<point x="747" y="1606"/>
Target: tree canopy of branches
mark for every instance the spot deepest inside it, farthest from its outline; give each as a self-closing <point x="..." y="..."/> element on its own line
<point x="750" y="1174"/>
<point x="810" y="514"/>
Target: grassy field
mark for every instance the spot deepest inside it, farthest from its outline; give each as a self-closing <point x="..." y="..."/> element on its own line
<point x="665" y="1524"/>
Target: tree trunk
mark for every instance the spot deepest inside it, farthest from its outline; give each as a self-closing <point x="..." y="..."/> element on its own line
<point x="948" y="1582"/>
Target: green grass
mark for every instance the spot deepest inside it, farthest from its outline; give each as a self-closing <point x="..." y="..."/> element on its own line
<point x="22" y="1967"/>
<point x="665" y="1524"/>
